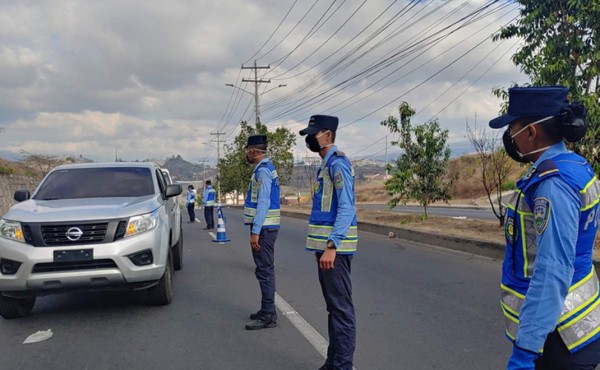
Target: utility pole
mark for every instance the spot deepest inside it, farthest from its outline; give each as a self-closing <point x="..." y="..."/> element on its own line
<point x="256" y="82"/>
<point x="218" y="141"/>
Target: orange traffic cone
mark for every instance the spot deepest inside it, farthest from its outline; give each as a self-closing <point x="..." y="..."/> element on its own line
<point x="221" y="233"/>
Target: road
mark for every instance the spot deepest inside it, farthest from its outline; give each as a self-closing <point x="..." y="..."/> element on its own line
<point x="453" y="211"/>
<point x="418" y="307"/>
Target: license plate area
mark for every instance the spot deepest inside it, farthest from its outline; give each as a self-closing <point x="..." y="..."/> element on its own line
<point x="74" y="255"/>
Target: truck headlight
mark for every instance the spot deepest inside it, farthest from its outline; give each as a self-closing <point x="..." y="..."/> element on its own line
<point x="142" y="223"/>
<point x="11" y="230"/>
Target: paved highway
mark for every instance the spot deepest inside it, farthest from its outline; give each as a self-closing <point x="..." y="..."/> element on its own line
<point x="418" y="307"/>
<point x="451" y="211"/>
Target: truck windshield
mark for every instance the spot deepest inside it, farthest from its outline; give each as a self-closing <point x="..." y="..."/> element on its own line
<point x="96" y="183"/>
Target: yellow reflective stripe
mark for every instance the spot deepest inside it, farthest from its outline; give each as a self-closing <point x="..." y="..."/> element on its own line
<point x="571" y="323"/>
<point x="327" y="195"/>
<point x="584" y="280"/>
<point x="513" y="292"/>
<point x="524" y="244"/>
<point x="507" y="314"/>
<point x="508" y="310"/>
<point x="325" y="230"/>
<point x="590" y="194"/>
<point x="578" y="308"/>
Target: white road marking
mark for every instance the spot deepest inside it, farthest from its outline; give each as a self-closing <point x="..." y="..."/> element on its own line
<point x="310" y="333"/>
<point x="214" y="236"/>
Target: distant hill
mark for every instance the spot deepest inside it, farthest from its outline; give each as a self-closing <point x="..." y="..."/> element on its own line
<point x="182" y="170"/>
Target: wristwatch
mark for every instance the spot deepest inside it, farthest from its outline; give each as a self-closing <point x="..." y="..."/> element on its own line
<point x="330" y="244"/>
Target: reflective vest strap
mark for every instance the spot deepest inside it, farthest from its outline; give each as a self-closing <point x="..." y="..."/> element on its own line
<point x="327" y="196"/>
<point x="590" y="195"/>
<point x="273" y="216"/>
<point x="580" y="317"/>
<point x="319" y="234"/>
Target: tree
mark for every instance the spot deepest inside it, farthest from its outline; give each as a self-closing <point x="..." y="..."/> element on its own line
<point x="562" y="47"/>
<point x="41" y="162"/>
<point x="495" y="166"/>
<point x="418" y="172"/>
<point x="235" y="172"/>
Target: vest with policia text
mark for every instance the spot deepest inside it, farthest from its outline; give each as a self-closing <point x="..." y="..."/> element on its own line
<point x="324" y="211"/>
<point x="211" y="197"/>
<point x="273" y="218"/>
<point x="579" y="323"/>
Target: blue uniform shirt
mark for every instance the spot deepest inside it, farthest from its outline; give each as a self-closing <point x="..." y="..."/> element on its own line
<point x="346" y="210"/>
<point x="264" y="197"/>
<point x="205" y="195"/>
<point x="553" y="269"/>
<point x="191" y="197"/>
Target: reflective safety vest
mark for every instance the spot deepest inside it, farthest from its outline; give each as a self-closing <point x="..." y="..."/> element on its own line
<point x="324" y="211"/>
<point x="211" y="197"/>
<point x="579" y="323"/>
<point x="273" y="218"/>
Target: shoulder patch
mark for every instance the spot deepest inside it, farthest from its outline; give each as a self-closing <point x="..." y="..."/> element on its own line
<point x="340" y="153"/>
<point x="541" y="214"/>
<point x="338" y="180"/>
<point x="510" y="230"/>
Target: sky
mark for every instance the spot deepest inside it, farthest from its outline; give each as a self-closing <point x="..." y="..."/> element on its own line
<point x="146" y="79"/>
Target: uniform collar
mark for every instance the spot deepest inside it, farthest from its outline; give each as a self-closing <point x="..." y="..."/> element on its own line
<point x="551" y="152"/>
<point x="265" y="159"/>
<point x="330" y="153"/>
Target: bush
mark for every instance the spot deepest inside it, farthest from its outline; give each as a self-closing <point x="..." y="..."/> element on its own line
<point x="6" y="170"/>
<point x="511" y="185"/>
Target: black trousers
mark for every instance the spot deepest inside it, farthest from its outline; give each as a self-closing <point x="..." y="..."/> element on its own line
<point x="191" y="212"/>
<point x="265" y="268"/>
<point x="209" y="217"/>
<point x="341" y="321"/>
<point x="557" y="357"/>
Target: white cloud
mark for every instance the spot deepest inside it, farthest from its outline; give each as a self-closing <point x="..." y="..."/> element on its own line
<point x="147" y="78"/>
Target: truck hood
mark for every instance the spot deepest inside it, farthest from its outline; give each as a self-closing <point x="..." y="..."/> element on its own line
<point x="82" y="209"/>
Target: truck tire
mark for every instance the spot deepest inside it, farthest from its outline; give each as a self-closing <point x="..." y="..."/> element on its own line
<point x="14" y="308"/>
<point x="162" y="293"/>
<point x="178" y="253"/>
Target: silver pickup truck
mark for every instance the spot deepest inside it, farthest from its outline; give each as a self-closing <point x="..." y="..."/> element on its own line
<point x="91" y="227"/>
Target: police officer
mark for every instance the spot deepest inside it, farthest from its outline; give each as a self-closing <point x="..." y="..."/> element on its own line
<point x="208" y="201"/>
<point x="549" y="293"/>
<point x="191" y="203"/>
<point x="332" y="235"/>
<point x="262" y="213"/>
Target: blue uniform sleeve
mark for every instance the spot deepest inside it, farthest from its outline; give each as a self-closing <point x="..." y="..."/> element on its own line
<point x="344" y="188"/>
<point x="205" y="197"/>
<point x="554" y="262"/>
<point x="264" y="199"/>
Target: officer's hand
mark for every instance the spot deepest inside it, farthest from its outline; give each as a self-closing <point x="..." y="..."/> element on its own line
<point x="327" y="259"/>
<point x="254" y="242"/>
<point x="521" y="359"/>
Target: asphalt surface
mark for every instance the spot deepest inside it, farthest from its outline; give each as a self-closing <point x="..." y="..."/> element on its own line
<point x="483" y="213"/>
<point x="417" y="306"/>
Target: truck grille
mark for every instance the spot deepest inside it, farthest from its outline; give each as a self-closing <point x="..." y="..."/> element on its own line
<point x="57" y="234"/>
<point x="74" y="266"/>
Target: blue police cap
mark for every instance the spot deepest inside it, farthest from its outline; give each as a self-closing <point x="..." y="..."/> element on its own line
<point x="536" y="101"/>
<point x="320" y="122"/>
<point x="256" y="140"/>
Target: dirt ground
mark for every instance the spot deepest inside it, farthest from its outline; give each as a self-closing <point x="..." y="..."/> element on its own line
<point x="487" y="230"/>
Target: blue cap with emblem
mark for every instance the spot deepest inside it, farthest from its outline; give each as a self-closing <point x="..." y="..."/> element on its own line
<point x="534" y="101"/>
<point x="256" y="140"/>
<point x="320" y="122"/>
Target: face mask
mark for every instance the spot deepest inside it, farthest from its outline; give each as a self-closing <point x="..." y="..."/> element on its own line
<point x="312" y="142"/>
<point x="511" y="147"/>
<point x="249" y="159"/>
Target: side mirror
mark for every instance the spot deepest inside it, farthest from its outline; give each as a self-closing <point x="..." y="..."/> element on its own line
<point x="173" y="190"/>
<point x="21" y="195"/>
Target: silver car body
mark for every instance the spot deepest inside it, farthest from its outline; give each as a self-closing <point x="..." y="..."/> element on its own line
<point x="110" y="266"/>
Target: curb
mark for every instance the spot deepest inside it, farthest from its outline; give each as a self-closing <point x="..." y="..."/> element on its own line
<point x="479" y="247"/>
<point x="474" y="246"/>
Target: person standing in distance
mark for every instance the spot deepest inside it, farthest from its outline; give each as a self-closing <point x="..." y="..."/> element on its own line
<point x="332" y="235"/>
<point x="262" y="213"/>
<point x="208" y="201"/>
<point x="191" y="203"/>
<point x="550" y="290"/>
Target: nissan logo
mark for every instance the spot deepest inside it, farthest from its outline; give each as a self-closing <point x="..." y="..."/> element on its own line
<point x="74" y="233"/>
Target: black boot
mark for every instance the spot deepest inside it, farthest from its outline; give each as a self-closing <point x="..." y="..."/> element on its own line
<point x="263" y="322"/>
